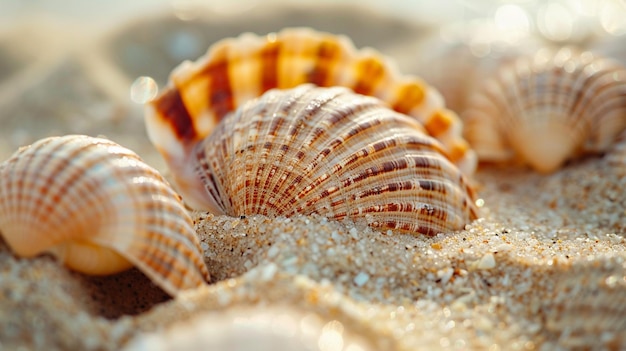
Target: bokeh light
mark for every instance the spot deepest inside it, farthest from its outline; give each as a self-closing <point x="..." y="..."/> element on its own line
<point x="143" y="90"/>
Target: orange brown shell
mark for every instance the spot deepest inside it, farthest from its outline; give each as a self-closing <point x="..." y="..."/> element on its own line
<point x="237" y="70"/>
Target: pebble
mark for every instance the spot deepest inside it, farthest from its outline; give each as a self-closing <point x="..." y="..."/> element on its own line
<point x="488" y="261"/>
<point x="361" y="279"/>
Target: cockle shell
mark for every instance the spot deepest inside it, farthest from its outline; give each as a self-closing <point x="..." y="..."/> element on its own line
<point x="456" y="58"/>
<point x="234" y="71"/>
<point x="99" y="209"/>
<point x="546" y="109"/>
<point x="329" y="151"/>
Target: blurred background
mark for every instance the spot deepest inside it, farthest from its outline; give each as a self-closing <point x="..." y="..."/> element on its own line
<point x="70" y="66"/>
<point x="557" y="19"/>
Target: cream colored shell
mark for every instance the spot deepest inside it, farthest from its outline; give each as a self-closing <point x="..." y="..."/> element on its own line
<point x="332" y="152"/>
<point x="99" y="209"/>
<point x="234" y="71"/>
<point x="546" y="109"/>
<point x="456" y="58"/>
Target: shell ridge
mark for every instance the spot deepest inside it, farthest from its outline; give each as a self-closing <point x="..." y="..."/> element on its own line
<point x="18" y="169"/>
<point x="248" y="137"/>
<point x="338" y="127"/>
<point x="30" y="169"/>
<point x="214" y="201"/>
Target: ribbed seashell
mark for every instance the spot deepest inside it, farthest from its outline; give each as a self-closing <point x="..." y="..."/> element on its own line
<point x="588" y="307"/>
<point x="234" y="71"/>
<point x="99" y="209"/>
<point x="329" y="151"/>
<point x="456" y="58"/>
<point x="546" y="109"/>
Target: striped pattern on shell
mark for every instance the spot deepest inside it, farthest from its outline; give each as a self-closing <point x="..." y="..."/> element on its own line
<point x="99" y="209"/>
<point x="546" y="109"/>
<point x="332" y="152"/>
<point x="234" y="71"/>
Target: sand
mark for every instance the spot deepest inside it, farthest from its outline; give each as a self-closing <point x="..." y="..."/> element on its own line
<point x="544" y="269"/>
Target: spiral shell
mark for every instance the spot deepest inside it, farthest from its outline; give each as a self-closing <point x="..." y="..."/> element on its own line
<point x="234" y="71"/>
<point x="549" y="108"/>
<point x="99" y="209"/>
<point x="332" y="152"/>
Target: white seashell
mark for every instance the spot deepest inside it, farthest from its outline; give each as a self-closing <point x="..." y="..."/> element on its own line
<point x="99" y="209"/>
<point x="237" y="70"/>
<point x="547" y="109"/>
<point x="456" y="58"/>
<point x="331" y="152"/>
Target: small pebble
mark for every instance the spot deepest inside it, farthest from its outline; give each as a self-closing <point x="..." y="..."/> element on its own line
<point x="361" y="279"/>
<point x="488" y="261"/>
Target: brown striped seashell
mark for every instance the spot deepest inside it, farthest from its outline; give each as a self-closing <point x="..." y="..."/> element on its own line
<point x="234" y="71"/>
<point x="549" y="108"/>
<point x="329" y="151"/>
<point x="99" y="209"/>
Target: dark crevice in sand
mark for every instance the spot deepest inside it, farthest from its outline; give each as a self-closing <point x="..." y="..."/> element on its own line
<point x="122" y="294"/>
<point x="126" y="293"/>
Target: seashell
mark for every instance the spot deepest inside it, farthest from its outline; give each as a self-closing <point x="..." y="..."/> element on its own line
<point x="329" y="151"/>
<point x="588" y="305"/>
<point x="547" y="109"/>
<point x="456" y="58"/>
<point x="234" y="71"/>
<point x="99" y="209"/>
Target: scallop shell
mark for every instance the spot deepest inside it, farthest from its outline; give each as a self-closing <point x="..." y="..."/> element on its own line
<point x="237" y="70"/>
<point x="547" y="109"/>
<point x="329" y="151"/>
<point x="99" y="209"/>
<point x="456" y="58"/>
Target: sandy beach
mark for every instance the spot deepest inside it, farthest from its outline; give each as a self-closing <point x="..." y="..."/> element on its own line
<point x="544" y="269"/>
